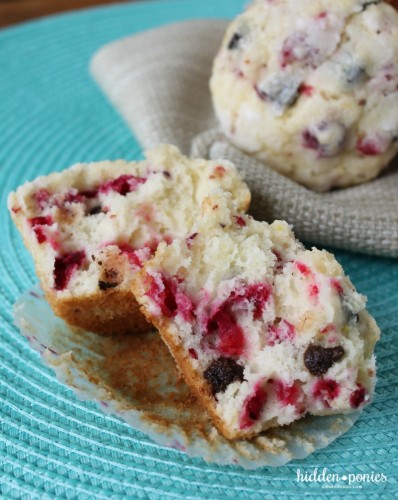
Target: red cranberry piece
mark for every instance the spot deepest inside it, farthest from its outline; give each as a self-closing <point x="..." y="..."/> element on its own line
<point x="138" y="256"/>
<point x="368" y="147"/>
<point x="169" y="297"/>
<point x="163" y="296"/>
<point x="40" y="234"/>
<point x="326" y="390"/>
<point x="153" y="244"/>
<point x="42" y="198"/>
<point x="218" y="172"/>
<point x="318" y="359"/>
<point x="279" y="260"/>
<point x="335" y="283"/>
<point x="313" y="292"/>
<point x="303" y="268"/>
<point x="122" y="185"/>
<point x="71" y="197"/>
<point x="287" y="394"/>
<point x="310" y="141"/>
<point x="284" y="331"/>
<point x="190" y="239"/>
<point x="240" y="221"/>
<point x="134" y="256"/>
<point x="193" y="354"/>
<point x="307" y="90"/>
<point x="329" y="328"/>
<point x="358" y="397"/>
<point x="168" y="239"/>
<point x="231" y="337"/>
<point x="221" y="373"/>
<point x="137" y="259"/>
<point x="165" y="292"/>
<point x="89" y="194"/>
<point x="129" y="251"/>
<point x="184" y="305"/>
<point x="257" y="294"/>
<point x="252" y="408"/>
<point x="36" y="224"/>
<point x="64" y="267"/>
<point x="41" y="221"/>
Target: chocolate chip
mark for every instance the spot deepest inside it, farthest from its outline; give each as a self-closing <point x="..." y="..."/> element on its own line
<point x="95" y="210"/>
<point x="281" y="91"/>
<point x="221" y="372"/>
<point x="368" y="3"/>
<point x="352" y="318"/>
<point x="318" y="359"/>
<point x="234" y="42"/>
<point x="354" y="74"/>
<point x="105" y="285"/>
<point x="350" y="311"/>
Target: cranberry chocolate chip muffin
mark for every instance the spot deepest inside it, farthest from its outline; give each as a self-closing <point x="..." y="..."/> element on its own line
<point x="263" y="330"/>
<point x="311" y="88"/>
<point x="90" y="228"/>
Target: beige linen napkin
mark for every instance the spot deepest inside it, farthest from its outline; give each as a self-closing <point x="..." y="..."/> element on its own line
<point x="158" y="81"/>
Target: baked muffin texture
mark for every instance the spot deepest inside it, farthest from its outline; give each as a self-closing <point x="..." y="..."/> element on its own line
<point x="311" y="88"/>
<point x="263" y="330"/>
<point x="90" y="228"/>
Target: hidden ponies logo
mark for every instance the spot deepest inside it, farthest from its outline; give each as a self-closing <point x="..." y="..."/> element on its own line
<point x="346" y="480"/>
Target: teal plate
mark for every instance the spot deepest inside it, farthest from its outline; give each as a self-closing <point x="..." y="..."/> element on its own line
<point x="51" y="444"/>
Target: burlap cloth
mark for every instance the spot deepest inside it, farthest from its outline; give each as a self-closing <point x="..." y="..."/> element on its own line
<point x="158" y="81"/>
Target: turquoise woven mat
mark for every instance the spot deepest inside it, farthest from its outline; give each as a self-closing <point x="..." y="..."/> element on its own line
<point x="55" y="446"/>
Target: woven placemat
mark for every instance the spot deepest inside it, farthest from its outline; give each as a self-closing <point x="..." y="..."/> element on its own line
<point x="55" y="446"/>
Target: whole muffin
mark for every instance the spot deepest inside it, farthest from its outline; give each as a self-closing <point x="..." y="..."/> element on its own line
<point x="311" y="88"/>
